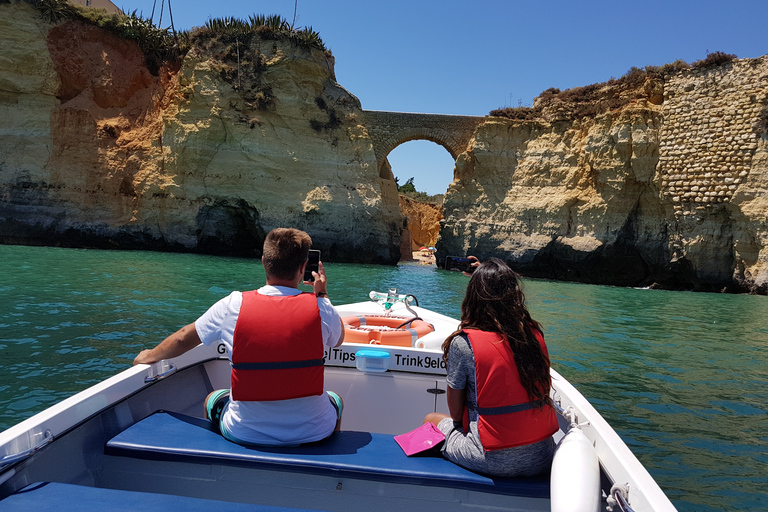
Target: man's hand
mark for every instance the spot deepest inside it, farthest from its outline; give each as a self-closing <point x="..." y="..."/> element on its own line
<point x="144" y="357"/>
<point x="181" y="341"/>
<point x="320" y="284"/>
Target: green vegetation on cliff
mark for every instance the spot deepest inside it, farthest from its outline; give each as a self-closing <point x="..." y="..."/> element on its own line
<point x="267" y="27"/>
<point x="166" y="44"/>
<point x="408" y="189"/>
<point x="595" y="99"/>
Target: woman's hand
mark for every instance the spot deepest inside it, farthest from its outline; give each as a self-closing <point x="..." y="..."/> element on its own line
<point x="475" y="263"/>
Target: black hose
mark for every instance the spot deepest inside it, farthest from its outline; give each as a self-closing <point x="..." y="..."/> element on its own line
<point x="409" y="321"/>
<point x="414" y="298"/>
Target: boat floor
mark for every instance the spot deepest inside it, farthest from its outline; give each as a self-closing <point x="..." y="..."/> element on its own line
<point x="58" y="497"/>
<point x="178" y="454"/>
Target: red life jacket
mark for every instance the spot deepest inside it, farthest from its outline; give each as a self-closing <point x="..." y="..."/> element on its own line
<point x="506" y="416"/>
<point x="277" y="348"/>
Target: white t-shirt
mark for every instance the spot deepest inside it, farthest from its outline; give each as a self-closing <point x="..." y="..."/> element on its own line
<point x="280" y="422"/>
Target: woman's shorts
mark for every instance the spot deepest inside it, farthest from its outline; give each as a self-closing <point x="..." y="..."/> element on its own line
<point x="466" y="450"/>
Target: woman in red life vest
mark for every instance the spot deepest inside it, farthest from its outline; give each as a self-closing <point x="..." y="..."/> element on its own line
<point x="501" y="416"/>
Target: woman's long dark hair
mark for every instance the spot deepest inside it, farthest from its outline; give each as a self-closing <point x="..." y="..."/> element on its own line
<point x="495" y="303"/>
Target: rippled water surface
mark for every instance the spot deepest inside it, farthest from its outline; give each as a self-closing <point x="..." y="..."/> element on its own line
<point x="682" y="377"/>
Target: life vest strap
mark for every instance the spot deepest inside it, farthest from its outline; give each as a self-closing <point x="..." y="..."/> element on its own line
<point x="279" y="365"/>
<point x="505" y="409"/>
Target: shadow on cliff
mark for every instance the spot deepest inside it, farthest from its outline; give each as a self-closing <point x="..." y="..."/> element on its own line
<point x="232" y="229"/>
<point x="633" y="259"/>
<point x="638" y="256"/>
<point x="224" y="228"/>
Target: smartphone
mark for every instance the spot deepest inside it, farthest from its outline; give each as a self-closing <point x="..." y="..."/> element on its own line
<point x="313" y="264"/>
<point x="459" y="264"/>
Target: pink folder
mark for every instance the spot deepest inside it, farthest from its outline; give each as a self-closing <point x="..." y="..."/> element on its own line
<point x="420" y="439"/>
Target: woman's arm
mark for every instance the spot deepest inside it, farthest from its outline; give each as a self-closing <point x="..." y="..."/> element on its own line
<point x="457" y="399"/>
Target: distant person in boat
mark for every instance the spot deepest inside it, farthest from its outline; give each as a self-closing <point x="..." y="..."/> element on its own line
<point x="276" y="338"/>
<point x="499" y="354"/>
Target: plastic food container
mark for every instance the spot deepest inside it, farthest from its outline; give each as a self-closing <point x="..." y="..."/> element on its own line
<point x="369" y="360"/>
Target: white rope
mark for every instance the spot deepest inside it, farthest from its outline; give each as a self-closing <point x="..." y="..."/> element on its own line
<point x="570" y="415"/>
<point x="619" y="495"/>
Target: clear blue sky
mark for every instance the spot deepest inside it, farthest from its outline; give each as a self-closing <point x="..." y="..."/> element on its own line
<point x="464" y="57"/>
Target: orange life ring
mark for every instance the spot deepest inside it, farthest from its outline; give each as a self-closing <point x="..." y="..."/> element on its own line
<point x="384" y="330"/>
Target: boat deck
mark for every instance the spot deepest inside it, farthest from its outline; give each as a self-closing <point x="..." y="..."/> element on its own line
<point x="175" y="437"/>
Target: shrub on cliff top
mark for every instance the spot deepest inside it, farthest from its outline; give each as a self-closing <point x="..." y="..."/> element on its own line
<point x="157" y="44"/>
<point x="579" y="102"/>
<point x="714" y="59"/>
<point x="231" y="27"/>
<point x="518" y="113"/>
<point x="423" y="197"/>
<point x="54" y="10"/>
<point x="669" y="68"/>
<point x="267" y="27"/>
<point x="595" y="99"/>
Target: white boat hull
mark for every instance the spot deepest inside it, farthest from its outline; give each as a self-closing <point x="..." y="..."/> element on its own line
<point x="383" y="403"/>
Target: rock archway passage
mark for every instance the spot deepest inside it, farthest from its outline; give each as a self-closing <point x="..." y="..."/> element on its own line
<point x="390" y="129"/>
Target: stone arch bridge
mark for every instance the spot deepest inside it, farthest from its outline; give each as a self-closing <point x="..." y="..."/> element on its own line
<point x="390" y="129"/>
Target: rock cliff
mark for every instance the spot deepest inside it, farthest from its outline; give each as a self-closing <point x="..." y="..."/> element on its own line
<point x="658" y="182"/>
<point x="669" y="190"/>
<point x="423" y="221"/>
<point x="207" y="154"/>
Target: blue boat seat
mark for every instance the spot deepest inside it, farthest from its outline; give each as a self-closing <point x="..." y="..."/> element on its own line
<point x="58" y="497"/>
<point x="175" y="437"/>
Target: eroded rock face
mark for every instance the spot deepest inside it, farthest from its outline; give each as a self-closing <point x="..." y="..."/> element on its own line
<point x="672" y="195"/>
<point x="207" y="155"/>
<point x="423" y="221"/>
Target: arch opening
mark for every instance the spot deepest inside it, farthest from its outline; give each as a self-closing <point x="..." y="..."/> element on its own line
<point x="423" y="170"/>
<point x="428" y="163"/>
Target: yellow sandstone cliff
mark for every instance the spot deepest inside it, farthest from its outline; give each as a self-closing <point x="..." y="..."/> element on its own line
<point x="207" y="154"/>
<point x="423" y="221"/>
<point x="669" y="190"/>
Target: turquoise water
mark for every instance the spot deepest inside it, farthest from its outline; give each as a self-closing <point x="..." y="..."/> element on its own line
<point x="682" y="377"/>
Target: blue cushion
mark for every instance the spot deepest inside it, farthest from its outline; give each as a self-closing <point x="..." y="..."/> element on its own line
<point x="56" y="497"/>
<point x="175" y="437"/>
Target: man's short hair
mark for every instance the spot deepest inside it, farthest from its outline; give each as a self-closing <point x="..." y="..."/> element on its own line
<point x="285" y="249"/>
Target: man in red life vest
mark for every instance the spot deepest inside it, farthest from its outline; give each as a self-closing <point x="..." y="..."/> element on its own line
<point x="275" y="337"/>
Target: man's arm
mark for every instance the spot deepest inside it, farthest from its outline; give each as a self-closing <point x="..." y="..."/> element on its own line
<point x="319" y="286"/>
<point x="341" y="338"/>
<point x="183" y="340"/>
